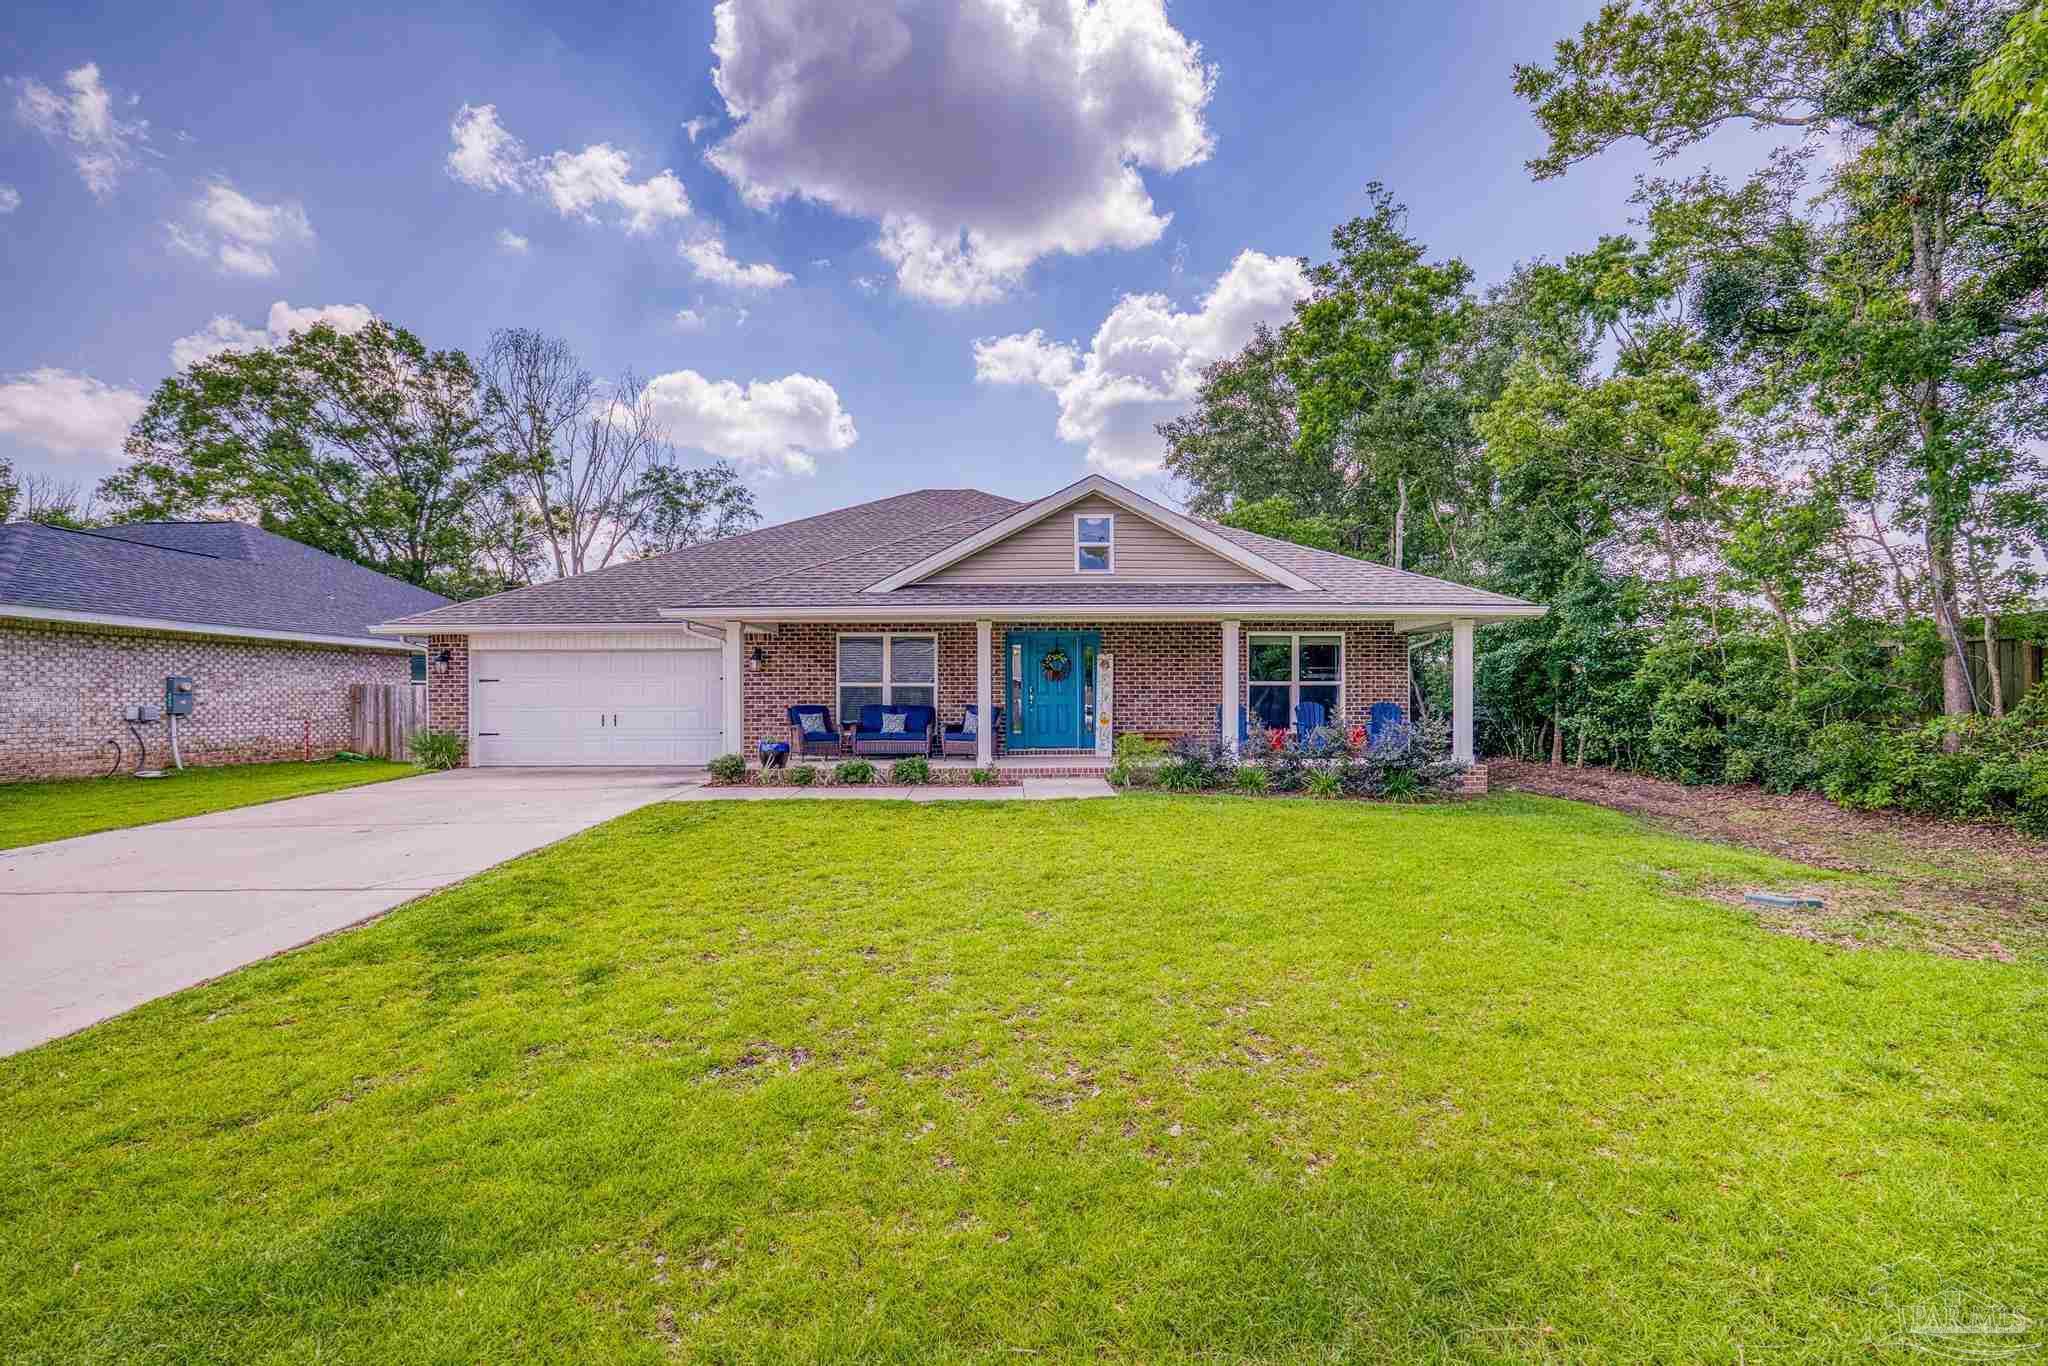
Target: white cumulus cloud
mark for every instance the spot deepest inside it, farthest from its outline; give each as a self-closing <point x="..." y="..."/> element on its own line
<point x="67" y="413"/>
<point x="511" y="241"/>
<point x="778" y="426"/>
<point x="980" y="136"/>
<point x="228" y="334"/>
<point x="82" y="115"/>
<point x="237" y="233"/>
<point x="578" y="184"/>
<point x="10" y="199"/>
<point x="485" y="155"/>
<point x="709" y="260"/>
<point x="1145" y="362"/>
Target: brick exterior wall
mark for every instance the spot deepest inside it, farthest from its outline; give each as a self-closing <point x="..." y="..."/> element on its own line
<point x="1169" y="675"/>
<point x="448" y="688"/>
<point x="62" y="689"/>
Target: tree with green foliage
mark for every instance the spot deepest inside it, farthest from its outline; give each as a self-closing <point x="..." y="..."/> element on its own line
<point x="673" y="506"/>
<point x="1368" y="356"/>
<point x="1899" y="297"/>
<point x="1351" y="412"/>
<point x="2011" y="88"/>
<point x="367" y="445"/>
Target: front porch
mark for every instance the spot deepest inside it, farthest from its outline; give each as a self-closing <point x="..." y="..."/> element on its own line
<point x="1063" y="690"/>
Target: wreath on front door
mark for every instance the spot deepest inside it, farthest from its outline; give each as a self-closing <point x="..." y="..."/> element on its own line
<point x="1056" y="665"/>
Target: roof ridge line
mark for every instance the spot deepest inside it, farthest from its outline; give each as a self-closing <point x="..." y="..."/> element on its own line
<point x="97" y="535"/>
<point x="866" y="549"/>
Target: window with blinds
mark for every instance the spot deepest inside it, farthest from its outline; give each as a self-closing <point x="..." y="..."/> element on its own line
<point x="891" y="670"/>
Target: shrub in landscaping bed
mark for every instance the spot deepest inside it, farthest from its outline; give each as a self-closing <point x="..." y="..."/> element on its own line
<point x="438" y="750"/>
<point x="910" y="771"/>
<point x="803" y="775"/>
<point x="728" y="768"/>
<point x="853" y="772"/>
<point x="1137" y="761"/>
<point x="1407" y="763"/>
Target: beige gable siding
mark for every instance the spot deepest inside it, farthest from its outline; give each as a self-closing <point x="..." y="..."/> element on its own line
<point x="1044" y="552"/>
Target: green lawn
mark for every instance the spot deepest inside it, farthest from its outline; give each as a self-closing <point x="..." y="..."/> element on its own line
<point x="31" y="813"/>
<point x="1137" y="1079"/>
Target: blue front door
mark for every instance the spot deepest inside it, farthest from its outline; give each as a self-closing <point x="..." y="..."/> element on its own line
<point x="1047" y="685"/>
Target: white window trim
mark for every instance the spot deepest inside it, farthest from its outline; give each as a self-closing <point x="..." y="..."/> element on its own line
<point x="1108" y="545"/>
<point x="888" y="684"/>
<point x="1293" y="682"/>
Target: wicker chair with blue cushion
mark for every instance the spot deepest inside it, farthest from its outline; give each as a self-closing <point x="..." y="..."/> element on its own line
<point x="811" y="731"/>
<point x="894" y="730"/>
<point x="958" y="742"/>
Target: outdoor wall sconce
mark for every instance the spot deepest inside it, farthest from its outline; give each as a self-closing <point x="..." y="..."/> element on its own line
<point x="442" y="659"/>
<point x="757" y="659"/>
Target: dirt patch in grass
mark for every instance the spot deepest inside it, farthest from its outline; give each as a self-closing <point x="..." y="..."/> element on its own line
<point x="1963" y="890"/>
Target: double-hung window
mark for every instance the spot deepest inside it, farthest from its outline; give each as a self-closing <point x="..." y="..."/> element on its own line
<point x="1291" y="669"/>
<point x="1095" y="543"/>
<point x="892" y="670"/>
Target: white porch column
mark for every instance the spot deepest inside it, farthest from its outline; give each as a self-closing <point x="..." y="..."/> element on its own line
<point x="984" y="695"/>
<point x="1461" y="690"/>
<point x="735" y="682"/>
<point x="1233" y="691"/>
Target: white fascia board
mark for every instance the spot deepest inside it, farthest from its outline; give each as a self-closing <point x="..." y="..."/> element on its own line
<point x="196" y="628"/>
<point x="1132" y="502"/>
<point x="675" y="619"/>
<point x="1399" y="614"/>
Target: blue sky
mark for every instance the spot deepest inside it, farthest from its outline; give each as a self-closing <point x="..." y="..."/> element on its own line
<point x="797" y="281"/>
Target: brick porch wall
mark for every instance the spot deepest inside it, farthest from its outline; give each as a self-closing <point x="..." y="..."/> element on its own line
<point x="62" y="689"/>
<point x="1169" y="675"/>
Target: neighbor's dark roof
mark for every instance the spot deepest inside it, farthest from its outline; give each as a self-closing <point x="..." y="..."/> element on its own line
<point x="830" y="561"/>
<point x="216" y="574"/>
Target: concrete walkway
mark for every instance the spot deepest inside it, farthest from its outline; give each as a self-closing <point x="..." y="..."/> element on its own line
<point x="1030" y="790"/>
<point x="93" y="926"/>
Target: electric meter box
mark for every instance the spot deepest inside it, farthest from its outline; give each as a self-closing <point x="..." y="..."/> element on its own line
<point x="178" y="695"/>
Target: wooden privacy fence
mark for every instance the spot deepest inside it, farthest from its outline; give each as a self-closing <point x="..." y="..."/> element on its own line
<point x="382" y="719"/>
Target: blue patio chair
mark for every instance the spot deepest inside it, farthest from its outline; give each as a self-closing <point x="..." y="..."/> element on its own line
<point x="958" y="742"/>
<point x="913" y="737"/>
<point x="1383" y="720"/>
<point x="819" y="736"/>
<point x="1310" y="717"/>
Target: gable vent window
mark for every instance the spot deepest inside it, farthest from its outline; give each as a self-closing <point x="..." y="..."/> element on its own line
<point x="1094" y="544"/>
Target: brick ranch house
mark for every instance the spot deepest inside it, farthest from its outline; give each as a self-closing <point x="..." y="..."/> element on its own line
<point x="1087" y="613"/>
<point x="272" y="631"/>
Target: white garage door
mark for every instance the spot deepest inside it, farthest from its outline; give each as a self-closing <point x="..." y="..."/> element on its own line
<point x="598" y="707"/>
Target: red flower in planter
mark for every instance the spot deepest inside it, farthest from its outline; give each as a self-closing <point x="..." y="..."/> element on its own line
<point x="1357" y="737"/>
<point x="1277" y="738"/>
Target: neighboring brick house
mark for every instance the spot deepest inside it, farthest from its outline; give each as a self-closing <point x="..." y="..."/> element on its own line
<point x="272" y="631"/>
<point x="1089" y="612"/>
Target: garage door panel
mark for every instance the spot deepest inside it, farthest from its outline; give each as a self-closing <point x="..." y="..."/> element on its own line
<point x="598" y="707"/>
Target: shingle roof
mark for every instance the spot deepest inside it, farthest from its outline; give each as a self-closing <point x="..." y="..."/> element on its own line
<point x="222" y="575"/>
<point x="830" y="561"/>
<point x="633" y="592"/>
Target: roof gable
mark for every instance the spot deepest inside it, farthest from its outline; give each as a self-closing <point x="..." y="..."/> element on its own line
<point x="985" y="544"/>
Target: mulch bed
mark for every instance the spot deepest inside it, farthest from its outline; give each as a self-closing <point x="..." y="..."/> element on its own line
<point x="1968" y="890"/>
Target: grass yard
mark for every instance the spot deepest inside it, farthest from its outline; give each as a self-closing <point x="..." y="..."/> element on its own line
<point x="31" y="813"/>
<point x="1139" y="1079"/>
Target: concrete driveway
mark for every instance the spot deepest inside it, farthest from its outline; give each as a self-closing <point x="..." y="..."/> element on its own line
<point x="93" y="926"/>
